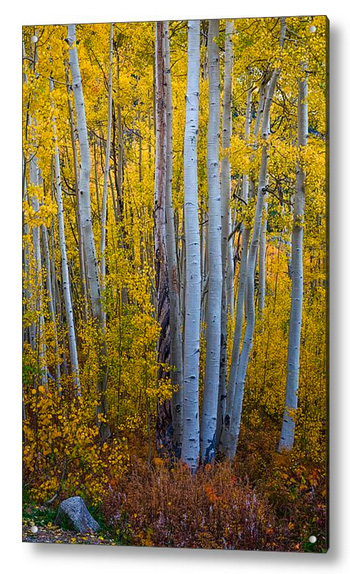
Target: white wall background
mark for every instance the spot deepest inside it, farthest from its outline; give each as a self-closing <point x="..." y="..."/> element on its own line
<point x="54" y="559"/>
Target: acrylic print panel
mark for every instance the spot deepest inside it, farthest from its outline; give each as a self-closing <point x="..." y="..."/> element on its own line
<point x="175" y="284"/>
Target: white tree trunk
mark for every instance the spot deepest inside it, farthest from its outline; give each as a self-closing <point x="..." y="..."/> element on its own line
<point x="262" y="255"/>
<point x="259" y="114"/>
<point x="35" y="179"/>
<point x="225" y="218"/>
<point x="83" y="285"/>
<point x="235" y="421"/>
<point x="213" y="333"/>
<point x="164" y="429"/>
<point x="26" y="264"/>
<point x="190" y="439"/>
<point x="84" y="180"/>
<point x="291" y="402"/>
<point x="51" y="300"/>
<point x="230" y="275"/>
<point x="174" y="283"/>
<point x="240" y="298"/>
<point x="64" y="265"/>
<point x="86" y="224"/>
<point x="106" y="170"/>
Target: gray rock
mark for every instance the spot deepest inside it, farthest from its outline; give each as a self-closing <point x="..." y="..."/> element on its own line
<point x="74" y="515"/>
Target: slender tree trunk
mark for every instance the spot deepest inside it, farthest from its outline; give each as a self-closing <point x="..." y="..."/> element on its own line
<point x="261" y="106"/>
<point x="84" y="179"/>
<point x="164" y="430"/>
<point x="190" y="439"/>
<point x="225" y="218"/>
<point x="120" y="167"/>
<point x="213" y="333"/>
<point x="35" y="179"/>
<point x="204" y="268"/>
<point x="96" y="181"/>
<point x="230" y="274"/>
<point x="106" y="172"/>
<point x="83" y="286"/>
<point x="203" y="217"/>
<point x="115" y="206"/>
<point x="86" y="223"/>
<point x="120" y="156"/>
<point x="52" y="241"/>
<point x="241" y="292"/>
<point x="51" y="299"/>
<point x="262" y="256"/>
<point x="26" y="264"/>
<point x="291" y="402"/>
<point x="262" y="263"/>
<point x="235" y="422"/>
<point x="174" y="283"/>
<point x="182" y="275"/>
<point x="65" y="272"/>
<point x="240" y="298"/>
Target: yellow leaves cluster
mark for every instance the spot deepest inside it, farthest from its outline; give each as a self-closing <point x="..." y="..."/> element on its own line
<point x="47" y="209"/>
<point x="65" y="446"/>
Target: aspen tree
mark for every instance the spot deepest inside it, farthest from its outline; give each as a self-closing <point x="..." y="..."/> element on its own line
<point x="240" y="296"/>
<point x="291" y="401"/>
<point x="26" y="267"/>
<point x="190" y="439"/>
<point x="262" y="262"/>
<point x="84" y="178"/>
<point x="83" y="285"/>
<point x="106" y="170"/>
<point x="86" y="223"/>
<point x="35" y="180"/>
<point x="230" y="272"/>
<point x="262" y="257"/>
<point x="225" y="218"/>
<point x="235" y="422"/>
<point x="174" y="281"/>
<point x="213" y="332"/>
<point x="51" y="299"/>
<point x="64" y="264"/>
<point x="164" y="422"/>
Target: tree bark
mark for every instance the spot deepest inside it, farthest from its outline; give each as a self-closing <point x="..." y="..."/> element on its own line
<point x="213" y="333"/>
<point x="237" y="330"/>
<point x="174" y="282"/>
<point x="83" y="286"/>
<point x="190" y="439"/>
<point x="64" y="265"/>
<point x="230" y="273"/>
<point x="262" y="263"/>
<point x="106" y="172"/>
<point x="86" y="223"/>
<point x="240" y="298"/>
<point x="291" y="401"/>
<point x="225" y="218"/>
<point x="235" y="422"/>
<point x="51" y="300"/>
<point x="35" y="180"/>
<point x="262" y="257"/>
<point x="164" y="429"/>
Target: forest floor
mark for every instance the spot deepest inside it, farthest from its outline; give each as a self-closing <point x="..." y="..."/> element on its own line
<point x="48" y="532"/>
<point x="262" y="501"/>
